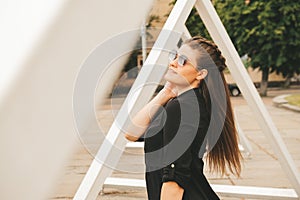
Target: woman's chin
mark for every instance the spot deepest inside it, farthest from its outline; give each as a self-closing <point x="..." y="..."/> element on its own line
<point x="170" y="76"/>
<point x="167" y="77"/>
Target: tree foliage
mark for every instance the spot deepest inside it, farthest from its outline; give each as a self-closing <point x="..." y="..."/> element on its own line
<point x="195" y="25"/>
<point x="267" y="31"/>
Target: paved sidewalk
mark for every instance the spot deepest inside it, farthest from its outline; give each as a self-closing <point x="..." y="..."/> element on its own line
<point x="280" y="101"/>
<point x="261" y="169"/>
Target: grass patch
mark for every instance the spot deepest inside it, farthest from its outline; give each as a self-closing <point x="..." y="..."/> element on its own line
<point x="294" y="99"/>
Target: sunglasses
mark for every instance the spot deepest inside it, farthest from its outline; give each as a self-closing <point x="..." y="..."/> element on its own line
<point x="182" y="59"/>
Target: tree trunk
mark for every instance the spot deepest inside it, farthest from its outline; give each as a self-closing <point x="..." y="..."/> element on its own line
<point x="287" y="82"/>
<point x="264" y="82"/>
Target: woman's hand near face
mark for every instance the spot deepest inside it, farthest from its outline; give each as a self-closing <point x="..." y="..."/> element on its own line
<point x="142" y="119"/>
<point x="170" y="87"/>
<point x="169" y="91"/>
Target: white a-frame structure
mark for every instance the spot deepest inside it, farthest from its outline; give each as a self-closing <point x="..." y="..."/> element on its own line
<point x="98" y="172"/>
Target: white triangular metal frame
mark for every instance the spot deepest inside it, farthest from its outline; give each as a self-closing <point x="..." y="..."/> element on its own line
<point x="139" y="96"/>
<point x="242" y="138"/>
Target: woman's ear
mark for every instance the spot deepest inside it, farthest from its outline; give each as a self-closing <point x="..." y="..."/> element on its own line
<point x="202" y="74"/>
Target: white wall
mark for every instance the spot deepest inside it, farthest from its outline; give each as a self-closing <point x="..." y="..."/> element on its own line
<point x="48" y="43"/>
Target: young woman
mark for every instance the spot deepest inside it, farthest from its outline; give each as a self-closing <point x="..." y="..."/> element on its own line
<point x="191" y="116"/>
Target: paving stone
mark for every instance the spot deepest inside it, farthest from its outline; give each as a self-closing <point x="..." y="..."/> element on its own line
<point x="261" y="169"/>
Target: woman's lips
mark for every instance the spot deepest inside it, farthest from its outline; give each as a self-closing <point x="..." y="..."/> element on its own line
<point x="170" y="70"/>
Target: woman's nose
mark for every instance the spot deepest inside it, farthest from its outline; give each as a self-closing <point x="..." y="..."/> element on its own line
<point x="173" y="63"/>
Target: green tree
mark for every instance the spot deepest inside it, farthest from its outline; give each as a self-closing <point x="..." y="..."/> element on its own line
<point x="267" y="31"/>
<point x="195" y="25"/>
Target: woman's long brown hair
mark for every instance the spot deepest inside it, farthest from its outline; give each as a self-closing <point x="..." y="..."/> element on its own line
<point x="221" y="143"/>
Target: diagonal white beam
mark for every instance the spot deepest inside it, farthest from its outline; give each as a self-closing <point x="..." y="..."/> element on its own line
<point x="223" y="190"/>
<point x="150" y="75"/>
<point x="186" y="32"/>
<point x="217" y="31"/>
<point x="243" y="140"/>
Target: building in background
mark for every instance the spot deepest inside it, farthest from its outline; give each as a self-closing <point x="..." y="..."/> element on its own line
<point x="156" y="19"/>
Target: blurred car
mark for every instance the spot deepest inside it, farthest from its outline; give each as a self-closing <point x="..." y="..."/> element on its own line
<point x="234" y="90"/>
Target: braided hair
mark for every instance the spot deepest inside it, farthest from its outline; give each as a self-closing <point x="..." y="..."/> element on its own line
<point x="211" y="48"/>
<point x="221" y="141"/>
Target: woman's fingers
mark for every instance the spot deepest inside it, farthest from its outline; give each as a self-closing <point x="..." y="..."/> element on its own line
<point x="170" y="89"/>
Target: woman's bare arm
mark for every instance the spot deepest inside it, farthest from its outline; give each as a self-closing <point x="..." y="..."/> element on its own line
<point x="141" y="120"/>
<point x="171" y="191"/>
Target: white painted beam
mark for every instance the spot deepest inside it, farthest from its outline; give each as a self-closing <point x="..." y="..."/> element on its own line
<point x="49" y="41"/>
<point x="245" y="145"/>
<point x="219" y="35"/>
<point x="186" y="32"/>
<point x="217" y="31"/>
<point x="141" y="145"/>
<point x="142" y="90"/>
<point x="222" y="190"/>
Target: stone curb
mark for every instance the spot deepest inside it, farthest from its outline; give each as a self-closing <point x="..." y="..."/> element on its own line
<point x="280" y="102"/>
